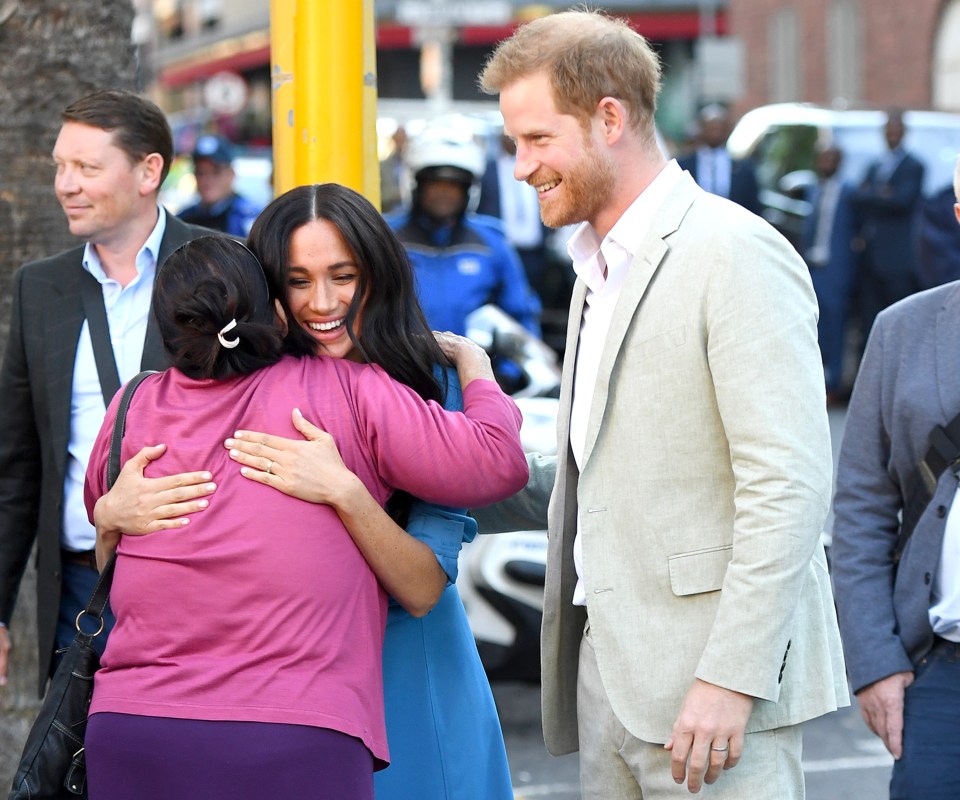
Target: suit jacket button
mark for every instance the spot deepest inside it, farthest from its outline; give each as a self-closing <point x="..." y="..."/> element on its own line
<point x="927" y="578"/>
<point x="941" y="511"/>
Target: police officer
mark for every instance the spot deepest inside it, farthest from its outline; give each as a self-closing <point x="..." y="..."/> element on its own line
<point x="462" y="260"/>
<point x="219" y="207"/>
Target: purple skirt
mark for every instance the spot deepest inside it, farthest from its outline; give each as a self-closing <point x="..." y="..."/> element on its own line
<point x="133" y="757"/>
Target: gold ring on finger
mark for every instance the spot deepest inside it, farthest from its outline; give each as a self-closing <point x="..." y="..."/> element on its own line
<point x="269" y="467"/>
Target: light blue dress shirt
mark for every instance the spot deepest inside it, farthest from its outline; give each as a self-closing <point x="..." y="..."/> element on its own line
<point x="128" y="308"/>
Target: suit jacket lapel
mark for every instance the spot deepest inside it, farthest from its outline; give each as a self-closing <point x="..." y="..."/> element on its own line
<point x="62" y="322"/>
<point x="645" y="263"/>
<point x="569" y="365"/>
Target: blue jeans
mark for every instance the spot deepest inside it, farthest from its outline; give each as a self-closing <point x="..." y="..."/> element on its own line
<point x="930" y="766"/>
<point x="76" y="588"/>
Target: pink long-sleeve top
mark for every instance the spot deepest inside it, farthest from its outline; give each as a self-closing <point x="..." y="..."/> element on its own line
<point x="263" y="608"/>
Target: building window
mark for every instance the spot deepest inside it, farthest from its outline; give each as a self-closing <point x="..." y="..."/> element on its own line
<point x="844" y="86"/>
<point x="946" y="60"/>
<point x="785" y="74"/>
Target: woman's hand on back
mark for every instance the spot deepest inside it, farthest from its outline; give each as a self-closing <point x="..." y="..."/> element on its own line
<point x="137" y="505"/>
<point x="469" y="358"/>
<point x="310" y="468"/>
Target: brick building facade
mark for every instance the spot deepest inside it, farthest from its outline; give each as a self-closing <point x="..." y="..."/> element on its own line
<point x="860" y="53"/>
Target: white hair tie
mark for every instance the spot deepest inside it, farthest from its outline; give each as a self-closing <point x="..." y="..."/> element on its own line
<point x="228" y="343"/>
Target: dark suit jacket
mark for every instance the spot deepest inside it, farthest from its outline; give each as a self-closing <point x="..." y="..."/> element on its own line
<point x="837" y="275"/>
<point x="744" y="189"/>
<point x="909" y="381"/>
<point x="36" y="384"/>
<point x="938" y="239"/>
<point x="888" y="210"/>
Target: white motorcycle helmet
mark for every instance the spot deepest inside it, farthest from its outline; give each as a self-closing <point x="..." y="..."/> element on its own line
<point x="446" y="153"/>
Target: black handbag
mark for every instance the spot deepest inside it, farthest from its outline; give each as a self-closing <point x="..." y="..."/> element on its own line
<point x="52" y="764"/>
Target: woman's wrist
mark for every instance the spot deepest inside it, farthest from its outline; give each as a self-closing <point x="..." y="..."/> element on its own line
<point x="109" y="539"/>
<point x="347" y="494"/>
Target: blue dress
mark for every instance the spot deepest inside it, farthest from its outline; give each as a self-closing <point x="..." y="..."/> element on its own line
<point x="442" y="725"/>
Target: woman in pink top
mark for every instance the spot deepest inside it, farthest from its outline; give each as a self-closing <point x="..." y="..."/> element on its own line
<point x="442" y="723"/>
<point x="246" y="659"/>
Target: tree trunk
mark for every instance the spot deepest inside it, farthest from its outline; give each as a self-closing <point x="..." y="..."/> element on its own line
<point x="52" y="52"/>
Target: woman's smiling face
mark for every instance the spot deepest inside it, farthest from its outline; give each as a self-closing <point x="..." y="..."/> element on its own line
<point x="322" y="280"/>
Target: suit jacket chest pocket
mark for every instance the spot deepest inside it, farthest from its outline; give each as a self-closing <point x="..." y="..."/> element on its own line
<point x="660" y="343"/>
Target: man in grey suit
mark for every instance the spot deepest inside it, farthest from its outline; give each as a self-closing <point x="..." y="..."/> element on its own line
<point x="896" y="540"/>
<point x="688" y="619"/>
<point x="112" y="153"/>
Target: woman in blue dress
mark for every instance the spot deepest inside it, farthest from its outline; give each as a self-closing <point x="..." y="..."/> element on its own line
<point x="442" y="726"/>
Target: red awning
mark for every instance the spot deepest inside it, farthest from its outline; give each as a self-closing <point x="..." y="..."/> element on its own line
<point x="657" y="25"/>
<point x="181" y="74"/>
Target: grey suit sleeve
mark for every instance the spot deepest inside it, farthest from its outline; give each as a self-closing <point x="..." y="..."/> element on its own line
<point x="20" y="460"/>
<point x="866" y="524"/>
<point x="527" y="509"/>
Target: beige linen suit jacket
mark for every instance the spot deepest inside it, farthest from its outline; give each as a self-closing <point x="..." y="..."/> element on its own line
<point x="706" y="482"/>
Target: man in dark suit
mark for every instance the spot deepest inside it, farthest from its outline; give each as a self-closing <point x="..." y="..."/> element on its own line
<point x="887" y="200"/>
<point x="896" y="541"/>
<point x="714" y="169"/>
<point x="112" y="153"/>
<point x="826" y="244"/>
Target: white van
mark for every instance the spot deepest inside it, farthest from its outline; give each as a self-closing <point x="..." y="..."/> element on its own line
<point x="781" y="140"/>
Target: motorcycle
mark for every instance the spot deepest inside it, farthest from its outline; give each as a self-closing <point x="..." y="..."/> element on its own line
<point x="501" y="576"/>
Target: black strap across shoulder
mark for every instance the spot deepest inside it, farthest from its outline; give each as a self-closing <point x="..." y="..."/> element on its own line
<point x="91" y="293"/>
<point x="943" y="452"/>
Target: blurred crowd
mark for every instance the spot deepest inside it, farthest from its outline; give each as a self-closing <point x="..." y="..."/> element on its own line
<point x="868" y="241"/>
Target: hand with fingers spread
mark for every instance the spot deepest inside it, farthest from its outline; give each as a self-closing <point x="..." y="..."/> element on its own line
<point x="708" y="735"/>
<point x="137" y="505"/>
<point x="881" y="705"/>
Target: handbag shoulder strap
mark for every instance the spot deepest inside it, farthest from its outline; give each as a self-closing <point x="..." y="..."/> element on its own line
<point x="101" y="593"/>
<point x="91" y="293"/>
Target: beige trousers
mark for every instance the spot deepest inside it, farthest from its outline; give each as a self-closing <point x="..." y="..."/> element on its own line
<point x="614" y="765"/>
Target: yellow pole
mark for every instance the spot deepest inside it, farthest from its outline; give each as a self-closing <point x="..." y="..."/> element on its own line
<point x="282" y="26"/>
<point x="371" y="159"/>
<point x="328" y="91"/>
<point x="323" y="74"/>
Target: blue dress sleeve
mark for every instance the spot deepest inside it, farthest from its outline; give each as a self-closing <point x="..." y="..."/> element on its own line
<point x="442" y="528"/>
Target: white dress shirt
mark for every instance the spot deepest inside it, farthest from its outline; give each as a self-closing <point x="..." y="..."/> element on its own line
<point x="714" y="168"/>
<point x="603" y="266"/>
<point x="128" y="308"/>
<point x="945" y="611"/>
<point x="826" y="210"/>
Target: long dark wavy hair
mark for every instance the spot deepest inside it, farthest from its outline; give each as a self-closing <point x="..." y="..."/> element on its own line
<point x="393" y="331"/>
